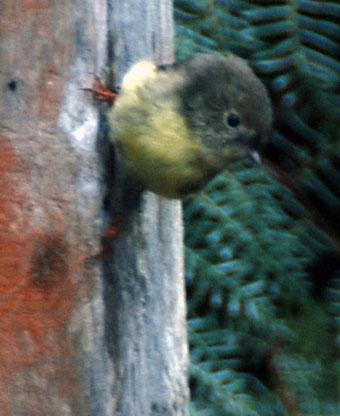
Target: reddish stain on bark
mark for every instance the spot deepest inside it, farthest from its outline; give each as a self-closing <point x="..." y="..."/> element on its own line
<point x="31" y="5"/>
<point x="43" y="61"/>
<point x="37" y="295"/>
<point x="50" y="94"/>
<point x="19" y="11"/>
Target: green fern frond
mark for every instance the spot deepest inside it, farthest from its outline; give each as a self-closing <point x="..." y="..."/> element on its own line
<point x="263" y="340"/>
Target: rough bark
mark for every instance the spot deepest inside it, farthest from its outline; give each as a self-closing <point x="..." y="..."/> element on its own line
<point x="81" y="334"/>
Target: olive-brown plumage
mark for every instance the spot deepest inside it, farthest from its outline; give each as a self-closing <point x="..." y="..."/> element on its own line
<point x="179" y="125"/>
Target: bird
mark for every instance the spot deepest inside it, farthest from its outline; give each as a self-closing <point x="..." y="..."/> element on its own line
<point x="178" y="125"/>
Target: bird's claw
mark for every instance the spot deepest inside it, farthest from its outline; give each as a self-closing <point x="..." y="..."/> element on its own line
<point x="101" y="93"/>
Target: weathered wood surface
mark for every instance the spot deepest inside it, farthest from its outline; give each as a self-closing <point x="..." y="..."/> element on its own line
<point x="81" y="334"/>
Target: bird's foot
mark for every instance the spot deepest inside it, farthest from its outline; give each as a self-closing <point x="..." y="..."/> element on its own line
<point x="101" y="93"/>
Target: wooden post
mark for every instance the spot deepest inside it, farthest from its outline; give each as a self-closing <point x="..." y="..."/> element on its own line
<point x="80" y="334"/>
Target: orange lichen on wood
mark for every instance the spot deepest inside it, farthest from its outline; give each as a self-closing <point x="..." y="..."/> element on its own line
<point x="37" y="293"/>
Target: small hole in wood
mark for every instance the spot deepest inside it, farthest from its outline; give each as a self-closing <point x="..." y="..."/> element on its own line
<point x="12" y="85"/>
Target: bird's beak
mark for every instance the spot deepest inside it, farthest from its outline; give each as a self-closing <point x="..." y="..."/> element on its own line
<point x="254" y="157"/>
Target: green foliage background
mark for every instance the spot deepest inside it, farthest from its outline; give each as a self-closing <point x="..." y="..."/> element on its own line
<point x="262" y="243"/>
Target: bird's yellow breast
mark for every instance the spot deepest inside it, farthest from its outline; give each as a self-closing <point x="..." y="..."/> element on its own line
<point x="156" y="144"/>
<point x="152" y="135"/>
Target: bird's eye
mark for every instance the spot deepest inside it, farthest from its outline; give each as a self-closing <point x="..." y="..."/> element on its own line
<point x="233" y="120"/>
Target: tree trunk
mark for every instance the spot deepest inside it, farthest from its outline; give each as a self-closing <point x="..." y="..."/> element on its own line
<point x="81" y="333"/>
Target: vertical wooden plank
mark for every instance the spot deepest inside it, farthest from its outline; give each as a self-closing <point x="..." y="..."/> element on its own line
<point x="50" y="207"/>
<point x="146" y="293"/>
<point x="80" y="335"/>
